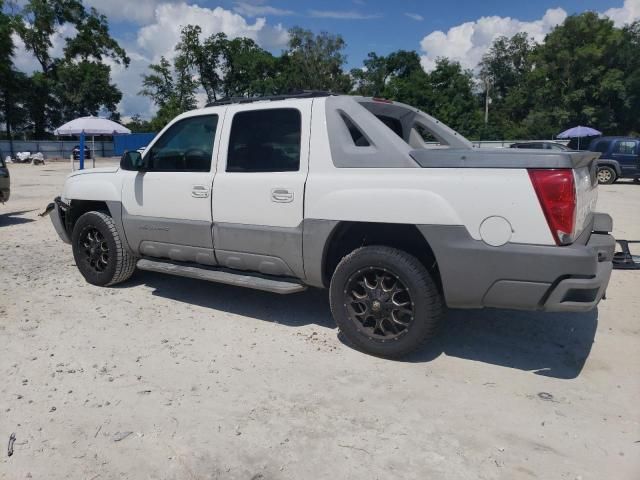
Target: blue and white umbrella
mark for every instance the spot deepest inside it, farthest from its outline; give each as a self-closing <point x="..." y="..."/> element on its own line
<point x="579" y="132"/>
<point x="90" y="126"/>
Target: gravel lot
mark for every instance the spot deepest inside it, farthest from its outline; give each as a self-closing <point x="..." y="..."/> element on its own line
<point x="172" y="378"/>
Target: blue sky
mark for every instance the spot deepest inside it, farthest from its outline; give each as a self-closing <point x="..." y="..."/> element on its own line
<point x="461" y="29"/>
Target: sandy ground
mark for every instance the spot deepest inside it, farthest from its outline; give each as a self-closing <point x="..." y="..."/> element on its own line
<point x="174" y="378"/>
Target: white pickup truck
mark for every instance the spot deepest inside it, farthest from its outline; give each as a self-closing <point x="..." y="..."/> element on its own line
<point x="346" y="193"/>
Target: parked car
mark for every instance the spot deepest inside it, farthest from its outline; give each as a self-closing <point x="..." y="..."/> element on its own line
<point x="540" y="145"/>
<point x="5" y="181"/>
<point x="76" y="152"/>
<point x="582" y="143"/>
<point x="620" y="158"/>
<point x="341" y="192"/>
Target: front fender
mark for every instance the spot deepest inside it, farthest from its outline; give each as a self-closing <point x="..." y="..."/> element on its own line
<point x="103" y="188"/>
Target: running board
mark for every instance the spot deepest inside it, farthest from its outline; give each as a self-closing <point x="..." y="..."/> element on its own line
<point x="257" y="282"/>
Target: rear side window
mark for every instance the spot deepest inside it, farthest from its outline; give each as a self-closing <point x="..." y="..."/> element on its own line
<point x="625" y="147"/>
<point x="393" y="123"/>
<point x="356" y="134"/>
<point x="265" y="141"/>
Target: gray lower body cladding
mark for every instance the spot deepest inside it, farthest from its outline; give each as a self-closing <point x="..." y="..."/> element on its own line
<point x="473" y="274"/>
<point x="519" y="276"/>
<point x="264" y="249"/>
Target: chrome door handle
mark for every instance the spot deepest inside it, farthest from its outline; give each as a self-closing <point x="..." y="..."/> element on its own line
<point x="199" y="191"/>
<point x="281" y="195"/>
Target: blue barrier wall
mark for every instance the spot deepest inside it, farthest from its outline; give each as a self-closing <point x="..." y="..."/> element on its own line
<point x="122" y="143"/>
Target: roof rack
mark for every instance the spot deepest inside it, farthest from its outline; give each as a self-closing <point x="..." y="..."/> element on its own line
<point x="272" y="98"/>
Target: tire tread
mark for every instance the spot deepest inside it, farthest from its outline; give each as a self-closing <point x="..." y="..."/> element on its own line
<point x="125" y="261"/>
<point x="413" y="266"/>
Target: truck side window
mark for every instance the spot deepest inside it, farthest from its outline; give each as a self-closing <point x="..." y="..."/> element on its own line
<point x="187" y="146"/>
<point x="265" y="141"/>
<point x="625" y="147"/>
<point x="359" y="139"/>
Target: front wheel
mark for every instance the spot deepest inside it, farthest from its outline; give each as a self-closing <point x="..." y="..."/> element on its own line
<point x="384" y="301"/>
<point x="99" y="252"/>
<point x="606" y="175"/>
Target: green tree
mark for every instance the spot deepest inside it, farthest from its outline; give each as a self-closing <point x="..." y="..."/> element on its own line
<point x="49" y="100"/>
<point x="630" y="60"/>
<point x="84" y="88"/>
<point x="172" y="89"/>
<point x="581" y="76"/>
<point x="452" y="98"/>
<point x="10" y="79"/>
<point x="138" y="125"/>
<point x="314" y="62"/>
<point x="378" y="71"/>
<point x="504" y="71"/>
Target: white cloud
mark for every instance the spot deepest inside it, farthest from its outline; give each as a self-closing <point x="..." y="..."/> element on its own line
<point x="414" y="16"/>
<point x="467" y="42"/>
<point x="258" y="8"/>
<point x="628" y="13"/>
<point x="343" y="15"/>
<point x="26" y="62"/>
<point x="160" y="37"/>
<point x="138" y="11"/>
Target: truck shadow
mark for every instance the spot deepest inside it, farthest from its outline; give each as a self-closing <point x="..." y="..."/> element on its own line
<point x="14" y="218"/>
<point x="550" y="344"/>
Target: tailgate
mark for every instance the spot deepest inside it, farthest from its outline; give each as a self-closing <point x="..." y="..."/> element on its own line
<point x="586" y="182"/>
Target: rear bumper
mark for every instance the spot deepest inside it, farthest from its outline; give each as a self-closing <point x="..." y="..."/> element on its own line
<point x="525" y="277"/>
<point x="58" y="219"/>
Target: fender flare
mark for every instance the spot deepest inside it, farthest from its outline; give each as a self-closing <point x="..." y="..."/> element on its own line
<point x="610" y="163"/>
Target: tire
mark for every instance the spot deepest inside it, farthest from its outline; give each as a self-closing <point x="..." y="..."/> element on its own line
<point x="367" y="327"/>
<point x="606" y="175"/>
<point x="98" y="250"/>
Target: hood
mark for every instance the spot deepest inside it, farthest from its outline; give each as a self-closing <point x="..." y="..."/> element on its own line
<point x="90" y="171"/>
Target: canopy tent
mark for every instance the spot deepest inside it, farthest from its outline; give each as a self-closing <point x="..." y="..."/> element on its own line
<point x="579" y="132"/>
<point x="90" y="126"/>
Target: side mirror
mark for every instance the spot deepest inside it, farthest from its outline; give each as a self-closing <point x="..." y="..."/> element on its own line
<point x="131" y="160"/>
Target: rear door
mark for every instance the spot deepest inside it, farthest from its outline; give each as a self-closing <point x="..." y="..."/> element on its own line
<point x="258" y="192"/>
<point x="626" y="153"/>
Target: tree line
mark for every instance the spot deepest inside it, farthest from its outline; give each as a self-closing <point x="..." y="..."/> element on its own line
<point x="586" y="71"/>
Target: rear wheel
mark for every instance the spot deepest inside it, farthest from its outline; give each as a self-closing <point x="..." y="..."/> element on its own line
<point x="99" y="252"/>
<point x="606" y="175"/>
<point x="384" y="301"/>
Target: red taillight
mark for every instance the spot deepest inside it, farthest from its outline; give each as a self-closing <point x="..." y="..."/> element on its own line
<point x="557" y="195"/>
<point x="382" y="100"/>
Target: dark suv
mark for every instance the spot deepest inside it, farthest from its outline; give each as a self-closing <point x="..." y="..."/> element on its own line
<point x="5" y="182"/>
<point x="620" y="158"/>
<point x="76" y="152"/>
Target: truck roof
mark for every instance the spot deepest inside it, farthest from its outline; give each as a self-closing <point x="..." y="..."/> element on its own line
<point x="293" y="95"/>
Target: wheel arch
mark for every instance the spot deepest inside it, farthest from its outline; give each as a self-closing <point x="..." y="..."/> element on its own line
<point x="78" y="207"/>
<point x="611" y="163"/>
<point x="346" y="236"/>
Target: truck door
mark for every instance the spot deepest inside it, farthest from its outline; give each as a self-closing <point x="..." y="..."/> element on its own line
<point x="258" y="191"/>
<point x="167" y="208"/>
<point x="627" y="154"/>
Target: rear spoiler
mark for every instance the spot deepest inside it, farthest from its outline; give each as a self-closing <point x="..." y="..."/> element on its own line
<point x="501" y="158"/>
